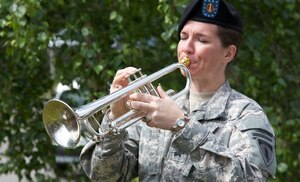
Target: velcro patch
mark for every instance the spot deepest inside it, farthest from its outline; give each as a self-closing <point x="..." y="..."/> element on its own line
<point x="266" y="147"/>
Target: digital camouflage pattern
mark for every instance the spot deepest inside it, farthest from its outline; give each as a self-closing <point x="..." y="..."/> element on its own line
<point x="228" y="138"/>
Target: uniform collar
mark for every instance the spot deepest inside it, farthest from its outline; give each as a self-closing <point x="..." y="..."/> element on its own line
<point x="215" y="107"/>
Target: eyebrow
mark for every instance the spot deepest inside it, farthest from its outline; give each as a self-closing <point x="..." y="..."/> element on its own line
<point x="197" y="35"/>
<point x="201" y="35"/>
<point x="183" y="33"/>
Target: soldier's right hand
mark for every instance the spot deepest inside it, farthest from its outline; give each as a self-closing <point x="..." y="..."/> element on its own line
<point x="120" y="81"/>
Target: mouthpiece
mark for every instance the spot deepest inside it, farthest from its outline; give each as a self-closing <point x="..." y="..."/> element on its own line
<point x="185" y="61"/>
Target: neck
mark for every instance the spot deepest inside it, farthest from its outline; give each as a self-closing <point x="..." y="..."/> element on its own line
<point x="204" y="85"/>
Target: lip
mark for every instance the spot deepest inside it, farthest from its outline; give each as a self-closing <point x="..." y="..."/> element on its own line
<point x="192" y="61"/>
<point x="192" y="64"/>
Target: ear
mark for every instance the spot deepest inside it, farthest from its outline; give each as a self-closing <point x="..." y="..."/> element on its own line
<point x="230" y="53"/>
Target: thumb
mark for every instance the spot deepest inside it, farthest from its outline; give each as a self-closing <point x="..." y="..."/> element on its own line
<point x="161" y="92"/>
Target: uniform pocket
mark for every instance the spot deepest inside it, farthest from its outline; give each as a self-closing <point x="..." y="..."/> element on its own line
<point x="205" y="164"/>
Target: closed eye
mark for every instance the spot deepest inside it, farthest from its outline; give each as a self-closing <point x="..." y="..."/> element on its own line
<point x="202" y="38"/>
<point x="183" y="36"/>
<point x="202" y="41"/>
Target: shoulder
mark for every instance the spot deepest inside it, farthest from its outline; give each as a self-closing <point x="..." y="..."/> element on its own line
<point x="242" y="101"/>
<point x="253" y="121"/>
<point x="247" y="113"/>
<point x="241" y="106"/>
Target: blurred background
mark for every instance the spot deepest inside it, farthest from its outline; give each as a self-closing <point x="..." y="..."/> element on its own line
<point x="71" y="50"/>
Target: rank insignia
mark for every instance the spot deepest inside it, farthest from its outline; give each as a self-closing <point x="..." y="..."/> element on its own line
<point x="210" y="8"/>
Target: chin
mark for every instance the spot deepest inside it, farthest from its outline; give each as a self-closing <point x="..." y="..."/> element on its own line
<point x="194" y="72"/>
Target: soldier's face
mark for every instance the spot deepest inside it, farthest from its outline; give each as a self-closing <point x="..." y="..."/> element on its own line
<point x="201" y="43"/>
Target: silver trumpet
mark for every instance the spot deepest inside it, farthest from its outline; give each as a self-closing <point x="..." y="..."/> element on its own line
<point x="64" y="125"/>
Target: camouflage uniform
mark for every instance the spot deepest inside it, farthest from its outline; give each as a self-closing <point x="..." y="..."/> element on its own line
<point x="228" y="138"/>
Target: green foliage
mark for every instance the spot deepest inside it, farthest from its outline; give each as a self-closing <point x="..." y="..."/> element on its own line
<point x="268" y="71"/>
<point x="43" y="43"/>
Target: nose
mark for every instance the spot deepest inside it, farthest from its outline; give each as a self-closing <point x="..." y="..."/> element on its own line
<point x="187" y="46"/>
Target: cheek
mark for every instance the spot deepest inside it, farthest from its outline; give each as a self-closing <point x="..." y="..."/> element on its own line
<point x="205" y="51"/>
<point x="207" y="60"/>
<point x="179" y="50"/>
<point x="208" y="55"/>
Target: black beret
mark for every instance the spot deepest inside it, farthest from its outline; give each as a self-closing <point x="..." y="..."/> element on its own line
<point x="216" y="12"/>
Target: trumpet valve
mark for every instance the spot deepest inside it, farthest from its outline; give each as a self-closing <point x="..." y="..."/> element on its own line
<point x="185" y="61"/>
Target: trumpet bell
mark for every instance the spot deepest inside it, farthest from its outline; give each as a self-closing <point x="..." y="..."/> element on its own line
<point x="61" y="123"/>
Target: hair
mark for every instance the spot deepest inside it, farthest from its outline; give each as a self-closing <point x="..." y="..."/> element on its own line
<point x="230" y="37"/>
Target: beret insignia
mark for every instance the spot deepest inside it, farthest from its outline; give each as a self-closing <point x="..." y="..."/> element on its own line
<point x="210" y="8"/>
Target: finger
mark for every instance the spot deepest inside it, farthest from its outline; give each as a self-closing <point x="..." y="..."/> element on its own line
<point x="124" y="73"/>
<point x="114" y="87"/>
<point x="161" y="92"/>
<point x="146" y="119"/>
<point x="121" y="78"/>
<point x="129" y="70"/>
<point x="142" y="97"/>
<point x="140" y="105"/>
<point x="128" y="104"/>
<point x="149" y="123"/>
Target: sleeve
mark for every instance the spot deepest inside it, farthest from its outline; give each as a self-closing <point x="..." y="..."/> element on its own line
<point x="114" y="158"/>
<point x="234" y="154"/>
